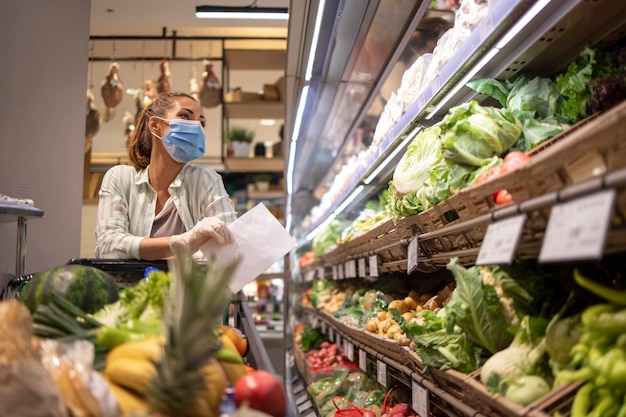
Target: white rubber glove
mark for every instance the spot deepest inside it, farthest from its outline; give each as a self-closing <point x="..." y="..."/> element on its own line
<point x="207" y="228"/>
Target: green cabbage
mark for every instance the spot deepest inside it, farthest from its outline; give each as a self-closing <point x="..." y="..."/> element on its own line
<point x="474" y="134"/>
<point x="418" y="162"/>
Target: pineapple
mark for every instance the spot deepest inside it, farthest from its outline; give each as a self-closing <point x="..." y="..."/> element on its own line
<point x="191" y="321"/>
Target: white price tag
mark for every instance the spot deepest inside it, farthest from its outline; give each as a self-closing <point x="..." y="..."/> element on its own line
<point x="308" y="277"/>
<point x="413" y="255"/>
<point x="419" y="399"/>
<point x="577" y="229"/>
<point x="335" y="274"/>
<point x="501" y="239"/>
<point x="324" y="327"/>
<point x="362" y="360"/>
<point x="338" y="341"/>
<point x="340" y="271"/>
<point x="348" y="349"/>
<point x="320" y="272"/>
<point x="373" y="266"/>
<point x="331" y="334"/>
<point x="350" y="271"/>
<point x="381" y="373"/>
<point x="315" y="322"/>
<point x="362" y="269"/>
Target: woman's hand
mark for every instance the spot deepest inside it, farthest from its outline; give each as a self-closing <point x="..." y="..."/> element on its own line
<point x="207" y="228"/>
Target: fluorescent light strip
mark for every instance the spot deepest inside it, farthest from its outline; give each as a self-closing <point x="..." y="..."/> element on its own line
<point x="530" y="15"/>
<point x="392" y="155"/>
<point x="462" y="83"/>
<point x="254" y="13"/>
<point x="321" y="227"/>
<point x="316" y="32"/>
<point x="294" y="138"/>
<point x="358" y="190"/>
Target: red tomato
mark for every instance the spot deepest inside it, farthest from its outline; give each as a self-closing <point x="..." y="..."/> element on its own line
<point x="263" y="391"/>
<point x="503" y="197"/>
<point x="514" y="160"/>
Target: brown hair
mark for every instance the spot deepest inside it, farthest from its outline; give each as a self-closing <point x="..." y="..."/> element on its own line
<point x="140" y="144"/>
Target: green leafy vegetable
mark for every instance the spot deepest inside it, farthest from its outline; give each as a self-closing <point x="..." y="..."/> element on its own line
<point x="436" y="346"/>
<point x="473" y="133"/>
<point x="477" y="309"/>
<point x="312" y="338"/>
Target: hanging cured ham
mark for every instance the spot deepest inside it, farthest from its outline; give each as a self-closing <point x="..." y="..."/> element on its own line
<point x="211" y="91"/>
<point x="92" y="122"/>
<point x="112" y="91"/>
<point x="164" y="83"/>
<point x="149" y="93"/>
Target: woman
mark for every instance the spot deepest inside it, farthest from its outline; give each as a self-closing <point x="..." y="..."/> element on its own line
<point x="160" y="203"/>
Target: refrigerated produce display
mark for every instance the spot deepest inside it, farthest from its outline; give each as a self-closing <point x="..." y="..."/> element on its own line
<point x="456" y="185"/>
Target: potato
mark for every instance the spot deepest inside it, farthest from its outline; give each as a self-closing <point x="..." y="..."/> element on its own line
<point x="400" y="305"/>
<point x="372" y="326"/>
<point x="410" y="303"/>
<point x="414" y="295"/>
<point x="408" y="315"/>
<point x="382" y="315"/>
<point x="393" y="330"/>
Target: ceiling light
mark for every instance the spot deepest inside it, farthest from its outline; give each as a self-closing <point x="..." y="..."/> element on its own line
<point x="267" y="122"/>
<point x="227" y="12"/>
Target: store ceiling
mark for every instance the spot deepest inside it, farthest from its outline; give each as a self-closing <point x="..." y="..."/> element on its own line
<point x="149" y="17"/>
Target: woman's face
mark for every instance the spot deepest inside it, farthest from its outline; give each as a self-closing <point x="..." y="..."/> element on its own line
<point x="183" y="108"/>
<point x="186" y="109"/>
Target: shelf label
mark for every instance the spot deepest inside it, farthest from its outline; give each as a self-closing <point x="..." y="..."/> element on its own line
<point x="348" y="350"/>
<point x="419" y="399"/>
<point x="324" y="328"/>
<point x="413" y="255"/>
<point x="335" y="273"/>
<point x="331" y="334"/>
<point x="309" y="275"/>
<point x="338" y="339"/>
<point x="373" y="266"/>
<point x="350" y="269"/>
<point x="501" y="239"/>
<point x="320" y="272"/>
<point x="381" y="372"/>
<point x="363" y="360"/>
<point x="577" y="229"/>
<point x="362" y="268"/>
<point x="340" y="271"/>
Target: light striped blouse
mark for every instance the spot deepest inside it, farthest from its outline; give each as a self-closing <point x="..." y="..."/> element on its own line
<point x="127" y="201"/>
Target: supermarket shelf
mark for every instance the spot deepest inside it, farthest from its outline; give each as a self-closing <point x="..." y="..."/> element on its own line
<point x="266" y="195"/>
<point x="257" y="164"/>
<point x="255" y="110"/>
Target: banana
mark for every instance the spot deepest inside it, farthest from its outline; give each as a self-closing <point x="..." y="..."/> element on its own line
<point x="216" y="381"/>
<point x="133" y="374"/>
<point x="128" y="402"/>
<point x="233" y="371"/>
<point x="148" y="349"/>
<point x="228" y="345"/>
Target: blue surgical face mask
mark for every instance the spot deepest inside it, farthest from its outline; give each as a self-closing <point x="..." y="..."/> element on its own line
<point x="185" y="139"/>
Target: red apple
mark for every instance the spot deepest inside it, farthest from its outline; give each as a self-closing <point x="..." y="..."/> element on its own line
<point x="263" y="391"/>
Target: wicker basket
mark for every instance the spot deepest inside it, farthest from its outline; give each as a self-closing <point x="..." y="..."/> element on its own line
<point x="471" y="391"/>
